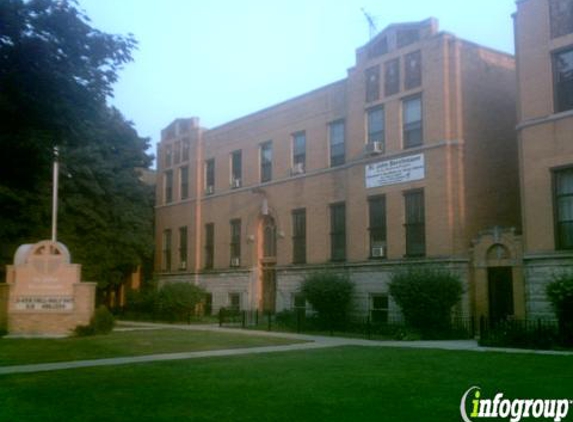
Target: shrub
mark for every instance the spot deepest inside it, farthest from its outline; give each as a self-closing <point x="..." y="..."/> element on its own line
<point x="177" y="301"/>
<point x="560" y="294"/>
<point x="330" y="295"/>
<point x="426" y="297"/>
<point x="102" y="322"/>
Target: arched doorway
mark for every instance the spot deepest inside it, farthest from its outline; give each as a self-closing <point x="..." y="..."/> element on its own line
<point x="267" y="262"/>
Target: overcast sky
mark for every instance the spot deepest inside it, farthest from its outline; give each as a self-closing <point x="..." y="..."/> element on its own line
<point x="222" y="59"/>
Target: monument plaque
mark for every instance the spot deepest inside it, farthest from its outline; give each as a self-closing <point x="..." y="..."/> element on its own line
<point x="44" y="292"/>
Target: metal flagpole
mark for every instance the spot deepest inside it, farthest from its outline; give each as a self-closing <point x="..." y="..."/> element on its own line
<point x="55" y="195"/>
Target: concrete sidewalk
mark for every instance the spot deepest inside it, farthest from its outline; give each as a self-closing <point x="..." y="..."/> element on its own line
<point x="312" y="342"/>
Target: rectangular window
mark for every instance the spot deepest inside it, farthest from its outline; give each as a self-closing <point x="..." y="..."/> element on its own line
<point x="185" y="148"/>
<point x="299" y="236"/>
<point x="563" y="197"/>
<point x="176" y="152"/>
<point x="298" y="301"/>
<point x="266" y="161"/>
<point x="379" y="308"/>
<point x="561" y="15"/>
<point x="376" y="126"/>
<point x="236" y="169"/>
<point x="235" y="243"/>
<point x="391" y="77"/>
<point x="338" y="232"/>
<point x="563" y="80"/>
<point x="209" y="245"/>
<point x="299" y="152"/>
<point x="415" y="223"/>
<point x="168" y="184"/>
<point x="167" y="250"/>
<point x="168" y="155"/>
<point x="412" y="122"/>
<point x="183" y="248"/>
<point x="184" y="182"/>
<point x="210" y="176"/>
<point x="234" y="302"/>
<point x="413" y="70"/>
<point x="377" y="226"/>
<point x="337" y="143"/>
<point x="372" y="76"/>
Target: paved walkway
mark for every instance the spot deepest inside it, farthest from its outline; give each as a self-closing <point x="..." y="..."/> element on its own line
<point x="312" y="342"/>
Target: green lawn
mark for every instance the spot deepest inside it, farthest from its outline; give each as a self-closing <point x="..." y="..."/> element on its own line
<point x="340" y="384"/>
<point x="130" y="343"/>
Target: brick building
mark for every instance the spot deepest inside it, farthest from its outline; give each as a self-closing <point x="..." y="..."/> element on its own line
<point x="544" y="52"/>
<point x="411" y="159"/>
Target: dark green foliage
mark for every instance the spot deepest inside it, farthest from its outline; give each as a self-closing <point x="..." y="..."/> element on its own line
<point x="102" y="322"/>
<point x="426" y="297"/>
<point x="56" y="74"/>
<point x="330" y="295"/>
<point x="560" y="294"/>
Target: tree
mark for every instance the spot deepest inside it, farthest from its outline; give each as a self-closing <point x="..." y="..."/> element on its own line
<point x="560" y="294"/>
<point x="330" y="294"/>
<point x="426" y="297"/>
<point x="56" y="74"/>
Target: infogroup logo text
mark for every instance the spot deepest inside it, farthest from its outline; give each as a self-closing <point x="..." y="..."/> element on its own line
<point x="514" y="409"/>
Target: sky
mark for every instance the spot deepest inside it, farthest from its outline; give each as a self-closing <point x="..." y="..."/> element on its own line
<point x="220" y="59"/>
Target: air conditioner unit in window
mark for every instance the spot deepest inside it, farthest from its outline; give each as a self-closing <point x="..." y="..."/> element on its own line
<point x="209" y="189"/>
<point x="374" y="148"/>
<point x="298" y="168"/>
<point x="236" y="183"/>
<point x="378" y="252"/>
<point x="235" y="262"/>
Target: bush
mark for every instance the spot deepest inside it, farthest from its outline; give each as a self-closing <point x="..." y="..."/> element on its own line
<point x="177" y="301"/>
<point x="102" y="322"/>
<point x="426" y="297"/>
<point x="560" y="294"/>
<point x="330" y="295"/>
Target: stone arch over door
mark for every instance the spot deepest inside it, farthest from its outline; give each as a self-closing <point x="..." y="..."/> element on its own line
<point x="497" y="286"/>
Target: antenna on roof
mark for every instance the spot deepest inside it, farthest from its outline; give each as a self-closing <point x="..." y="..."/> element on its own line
<point x="371" y="23"/>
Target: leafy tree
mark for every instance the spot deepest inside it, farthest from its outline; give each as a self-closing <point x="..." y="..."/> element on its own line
<point x="177" y="301"/>
<point x="426" y="297"/>
<point x="560" y="294"/>
<point x="330" y="294"/>
<point x="56" y="74"/>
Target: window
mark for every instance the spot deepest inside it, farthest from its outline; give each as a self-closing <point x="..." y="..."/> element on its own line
<point x="412" y="121"/>
<point x="210" y="176"/>
<point x="168" y="155"/>
<point x="168" y="186"/>
<point x="299" y="152"/>
<point x="183" y="248"/>
<point x="561" y="12"/>
<point x="413" y="70"/>
<point x="269" y="238"/>
<point x="185" y="147"/>
<point x="563" y="80"/>
<point x="379" y="48"/>
<point x="236" y="169"/>
<point x="209" y="245"/>
<point x="415" y="223"/>
<point x="177" y="153"/>
<point x="235" y="302"/>
<point x="298" y="302"/>
<point x="406" y="37"/>
<point x="235" y="243"/>
<point x="266" y="161"/>
<point x="167" y="250"/>
<point x="299" y="236"/>
<point x="376" y="125"/>
<point x="337" y="147"/>
<point x="391" y="77"/>
<point x="377" y="226"/>
<point x="184" y="182"/>
<point x="338" y="232"/>
<point x="372" y="76"/>
<point x="379" y="308"/>
<point x="563" y="197"/>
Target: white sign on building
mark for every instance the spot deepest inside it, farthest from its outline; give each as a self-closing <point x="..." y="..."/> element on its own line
<point x="397" y="170"/>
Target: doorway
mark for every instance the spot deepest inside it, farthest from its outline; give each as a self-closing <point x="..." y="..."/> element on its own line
<point x="269" y="289"/>
<point x="500" y="292"/>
